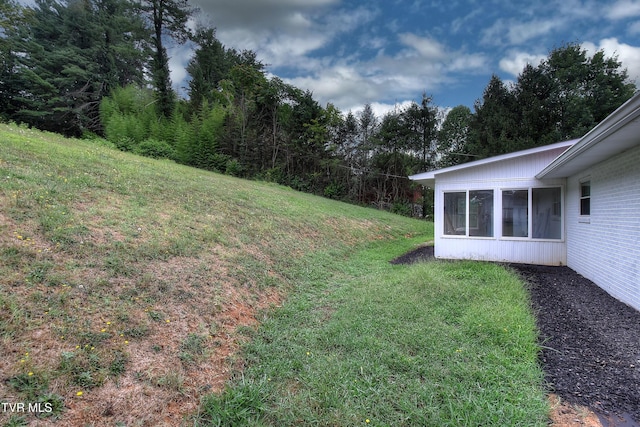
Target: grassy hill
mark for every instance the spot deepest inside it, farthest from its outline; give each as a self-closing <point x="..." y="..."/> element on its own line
<point x="133" y="292"/>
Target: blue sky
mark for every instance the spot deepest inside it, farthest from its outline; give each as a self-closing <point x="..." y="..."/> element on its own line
<point x="387" y="52"/>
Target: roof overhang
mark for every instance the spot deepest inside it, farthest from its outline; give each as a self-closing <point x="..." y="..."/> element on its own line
<point x="617" y="133"/>
<point x="428" y="179"/>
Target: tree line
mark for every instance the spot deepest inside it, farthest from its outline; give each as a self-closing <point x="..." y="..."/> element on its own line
<point x="89" y="68"/>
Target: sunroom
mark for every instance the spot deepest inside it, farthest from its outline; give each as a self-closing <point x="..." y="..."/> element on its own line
<point x="496" y="210"/>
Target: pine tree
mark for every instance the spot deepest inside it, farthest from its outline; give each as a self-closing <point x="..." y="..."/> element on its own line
<point x="66" y="59"/>
<point x="167" y="18"/>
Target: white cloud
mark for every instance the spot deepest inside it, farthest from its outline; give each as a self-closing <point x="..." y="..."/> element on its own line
<point x="388" y="80"/>
<point x="179" y="56"/>
<point x="283" y="32"/>
<point x="426" y="47"/>
<point x="628" y="55"/>
<point x="349" y="57"/>
<point x="342" y="85"/>
<point x="470" y="63"/>
<point x="463" y="22"/>
<point x="375" y="43"/>
<point x="260" y="15"/>
<point x="623" y="9"/>
<point x="380" y="109"/>
<point x="513" y="32"/>
<point x="515" y="62"/>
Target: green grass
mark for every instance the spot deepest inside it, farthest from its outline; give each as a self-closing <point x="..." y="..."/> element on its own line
<point x="447" y="344"/>
<point x="117" y="269"/>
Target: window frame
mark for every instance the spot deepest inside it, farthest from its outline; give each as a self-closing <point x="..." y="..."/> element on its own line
<point x="584" y="217"/>
<point x="447" y="216"/>
<point x="467" y="215"/>
<point x="502" y="216"/>
<point x="530" y="228"/>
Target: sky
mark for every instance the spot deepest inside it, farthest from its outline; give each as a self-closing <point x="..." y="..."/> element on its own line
<point x="389" y="52"/>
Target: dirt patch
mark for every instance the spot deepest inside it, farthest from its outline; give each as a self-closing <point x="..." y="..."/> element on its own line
<point x="564" y="414"/>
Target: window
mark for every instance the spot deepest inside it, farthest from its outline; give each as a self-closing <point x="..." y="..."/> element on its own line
<point x="468" y="213"/>
<point x="455" y="213"/>
<point x="543" y="205"/>
<point x="546" y="218"/>
<point x="515" y="213"/>
<point x="585" y="198"/>
<point x="481" y="213"/>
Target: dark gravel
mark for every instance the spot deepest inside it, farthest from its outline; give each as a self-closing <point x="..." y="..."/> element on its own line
<point x="590" y="340"/>
<point x="423" y="253"/>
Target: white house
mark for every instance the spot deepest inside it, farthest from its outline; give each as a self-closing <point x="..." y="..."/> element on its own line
<point x="574" y="203"/>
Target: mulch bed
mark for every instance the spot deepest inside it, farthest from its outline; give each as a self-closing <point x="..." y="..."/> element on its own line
<point x="590" y="340"/>
<point x="423" y="253"/>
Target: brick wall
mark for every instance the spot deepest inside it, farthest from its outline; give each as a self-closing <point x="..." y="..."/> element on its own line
<point x="605" y="247"/>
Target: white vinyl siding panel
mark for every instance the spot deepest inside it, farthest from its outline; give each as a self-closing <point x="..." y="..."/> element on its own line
<point x="514" y="173"/>
<point x="606" y="249"/>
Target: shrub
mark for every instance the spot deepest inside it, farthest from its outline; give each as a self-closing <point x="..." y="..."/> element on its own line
<point x="273" y="175"/>
<point x="155" y="149"/>
<point x="401" y="208"/>
<point x="334" y="191"/>
<point x="234" y="168"/>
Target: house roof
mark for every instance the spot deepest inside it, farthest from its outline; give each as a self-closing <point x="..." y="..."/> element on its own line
<point x="428" y="178"/>
<point x="617" y="133"/>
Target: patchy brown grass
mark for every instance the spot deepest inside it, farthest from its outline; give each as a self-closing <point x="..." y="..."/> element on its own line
<point x="145" y="315"/>
<point x="123" y="281"/>
<point x="118" y="299"/>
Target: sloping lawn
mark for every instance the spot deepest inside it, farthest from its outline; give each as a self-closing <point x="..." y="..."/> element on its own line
<point x="434" y="344"/>
<point x="127" y="285"/>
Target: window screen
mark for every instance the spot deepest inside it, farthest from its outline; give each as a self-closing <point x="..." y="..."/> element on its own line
<point x="546" y="213"/>
<point x="515" y="213"/>
<point x="481" y="213"/>
<point x="585" y="198"/>
<point x="455" y="213"/>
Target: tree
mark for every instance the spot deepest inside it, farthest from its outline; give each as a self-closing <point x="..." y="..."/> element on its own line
<point x="536" y="118"/>
<point x="452" y="137"/>
<point x="562" y="98"/>
<point x="367" y="127"/>
<point x="11" y="20"/>
<point x="387" y="163"/>
<point x="585" y="89"/>
<point x="207" y="67"/>
<point x="244" y="82"/>
<point x="56" y="68"/>
<point x="65" y="57"/>
<point x="270" y="98"/>
<point x="422" y="122"/>
<point x="122" y="55"/>
<point x="368" y="124"/>
<point x="492" y="130"/>
<point x="306" y="129"/>
<point x="167" y="18"/>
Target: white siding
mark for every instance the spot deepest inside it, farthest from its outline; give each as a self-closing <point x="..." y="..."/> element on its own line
<point x="606" y="249"/>
<point x="514" y="173"/>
